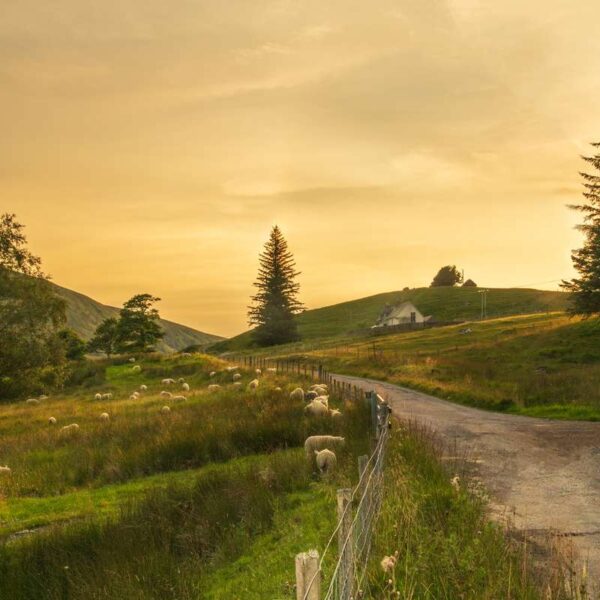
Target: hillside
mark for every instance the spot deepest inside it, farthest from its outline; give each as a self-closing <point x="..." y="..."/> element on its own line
<point x="84" y="314"/>
<point x="444" y="304"/>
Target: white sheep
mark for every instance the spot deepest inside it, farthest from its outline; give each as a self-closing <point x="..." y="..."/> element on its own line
<point x="310" y="395"/>
<point x="253" y="384"/>
<point x="167" y="381"/>
<point x="258" y="372"/>
<point x="98" y="397"/>
<point x="164" y="394"/>
<point x="278" y="389"/>
<point x="165" y="410"/>
<point x="271" y="370"/>
<point x="237" y="376"/>
<point x="212" y="373"/>
<point x="43" y="397"/>
<point x="320" y="442"/>
<point x="132" y="360"/>
<point x="335" y="413"/>
<point x="178" y="398"/>
<point x="215" y="387"/>
<point x="315" y="408"/>
<point x="319" y="389"/>
<point x="107" y="396"/>
<point x="6" y="470"/>
<point x="324" y="400"/>
<point x="185" y="387"/>
<point x="32" y="401"/>
<point x="180" y="380"/>
<point x="72" y="428"/>
<point x="105" y="417"/>
<point x="52" y="421"/>
<point x="233" y="368"/>
<point x="143" y="387"/>
<point x="134" y="396"/>
<point x="326" y="460"/>
<point x="186" y="354"/>
<point x="297" y="394"/>
<point x="136" y="369"/>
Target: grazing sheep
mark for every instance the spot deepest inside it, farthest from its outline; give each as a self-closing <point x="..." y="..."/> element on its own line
<point x="167" y="381"/>
<point x="6" y="470"/>
<point x="165" y="410"/>
<point x="164" y="394"/>
<point x="271" y="370"/>
<point x="107" y="396"/>
<point x="178" y="398"/>
<point x="297" y="394"/>
<point x="310" y="395"/>
<point x="237" y="376"/>
<point x="253" y="384"/>
<point x="326" y="460"/>
<point x="180" y="380"/>
<point x="185" y="387"/>
<point x="52" y="421"/>
<point x="278" y="389"/>
<point x="320" y="390"/>
<point x="215" y="387"/>
<point x="212" y="373"/>
<point x="237" y="385"/>
<point x="72" y="428"/>
<point x="132" y="360"/>
<point x="323" y="400"/>
<point x="258" y="372"/>
<point x="43" y="397"/>
<point x="105" y="417"/>
<point x="32" y="401"/>
<point x="316" y="409"/>
<point x="186" y="354"/>
<point x="134" y="396"/>
<point x="335" y="413"/>
<point x="143" y="388"/>
<point x="98" y="397"/>
<point x="229" y="369"/>
<point x="136" y="369"/>
<point x="319" y="385"/>
<point x="320" y="442"/>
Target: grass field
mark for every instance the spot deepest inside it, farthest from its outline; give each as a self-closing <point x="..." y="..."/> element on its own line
<point x="545" y="365"/>
<point x="214" y="499"/>
<point x="443" y="303"/>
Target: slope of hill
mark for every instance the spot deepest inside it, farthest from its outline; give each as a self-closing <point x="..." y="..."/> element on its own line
<point x="443" y="303"/>
<point x="84" y="314"/>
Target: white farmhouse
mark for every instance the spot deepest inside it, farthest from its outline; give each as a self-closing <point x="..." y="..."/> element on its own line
<point x="404" y="313"/>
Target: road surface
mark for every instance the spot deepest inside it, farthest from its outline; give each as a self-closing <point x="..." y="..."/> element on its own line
<point x="545" y="473"/>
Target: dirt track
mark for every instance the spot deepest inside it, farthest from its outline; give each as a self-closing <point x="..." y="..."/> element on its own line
<point x="547" y="472"/>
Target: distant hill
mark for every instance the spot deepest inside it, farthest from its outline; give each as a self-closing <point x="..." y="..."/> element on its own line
<point x="442" y="303"/>
<point x="84" y="314"/>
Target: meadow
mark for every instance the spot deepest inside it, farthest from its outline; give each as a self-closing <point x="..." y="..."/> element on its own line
<point x="215" y="498"/>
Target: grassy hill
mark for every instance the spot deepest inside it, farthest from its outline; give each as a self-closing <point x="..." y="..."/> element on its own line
<point x="84" y="314"/>
<point x="444" y="304"/>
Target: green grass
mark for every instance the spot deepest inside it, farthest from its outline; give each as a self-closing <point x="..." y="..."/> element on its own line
<point x="444" y="304"/>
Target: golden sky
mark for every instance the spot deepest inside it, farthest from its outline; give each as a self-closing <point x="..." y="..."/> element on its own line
<point x="150" y="146"/>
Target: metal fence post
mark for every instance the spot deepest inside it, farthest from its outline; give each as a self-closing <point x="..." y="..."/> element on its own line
<point x="345" y="544"/>
<point x="308" y="576"/>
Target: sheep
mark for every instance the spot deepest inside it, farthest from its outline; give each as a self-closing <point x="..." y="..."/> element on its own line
<point x="233" y="368"/>
<point x="178" y="398"/>
<point x="258" y="372"/>
<point x="320" y="442"/>
<point x="180" y="380"/>
<point x="32" y="401"/>
<point x="237" y="376"/>
<point x="319" y="389"/>
<point x="212" y="373"/>
<point x="278" y="389"/>
<point x="164" y="394"/>
<point x="132" y="360"/>
<point x="52" y="421"/>
<point x="167" y="381"/>
<point x="143" y="388"/>
<point x="215" y="387"/>
<point x="319" y="385"/>
<point x="253" y="384"/>
<point x="185" y="387"/>
<point x="6" y="470"/>
<point x="316" y="408"/>
<point x="334" y="413"/>
<point x="105" y="417"/>
<point x="165" y="410"/>
<point x="136" y="369"/>
<point x="323" y="400"/>
<point x="107" y="396"/>
<point x="271" y="370"/>
<point x="310" y="395"/>
<point x="43" y="397"/>
<point x="326" y="460"/>
<point x="72" y="428"/>
<point x="297" y="394"/>
<point x="186" y="354"/>
<point x="98" y="397"/>
<point x="134" y="396"/>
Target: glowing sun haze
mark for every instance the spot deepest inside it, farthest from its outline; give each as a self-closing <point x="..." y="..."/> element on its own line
<point x="150" y="146"/>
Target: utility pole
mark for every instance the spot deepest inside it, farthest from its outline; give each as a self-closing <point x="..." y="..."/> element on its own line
<point x="483" y="293"/>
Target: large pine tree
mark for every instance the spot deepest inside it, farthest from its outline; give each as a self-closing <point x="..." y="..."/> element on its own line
<point x="276" y="302"/>
<point x="586" y="287"/>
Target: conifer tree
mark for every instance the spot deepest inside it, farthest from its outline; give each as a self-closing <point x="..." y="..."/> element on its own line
<point x="276" y="302"/>
<point x="585" y="288"/>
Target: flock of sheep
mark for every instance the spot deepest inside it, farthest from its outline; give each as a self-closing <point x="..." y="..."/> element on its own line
<point x="319" y="446"/>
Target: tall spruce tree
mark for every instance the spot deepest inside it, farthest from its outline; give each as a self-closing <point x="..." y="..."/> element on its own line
<point x="276" y="302"/>
<point x="586" y="288"/>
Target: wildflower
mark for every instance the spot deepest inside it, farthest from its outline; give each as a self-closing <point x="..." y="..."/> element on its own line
<point x="455" y="482"/>
<point x="389" y="562"/>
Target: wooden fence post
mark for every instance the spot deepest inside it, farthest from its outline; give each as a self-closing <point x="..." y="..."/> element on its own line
<point x="345" y="544"/>
<point x="308" y="576"/>
<point x="363" y="497"/>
